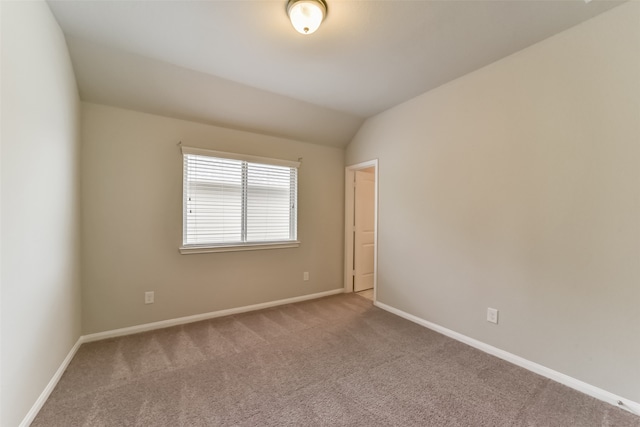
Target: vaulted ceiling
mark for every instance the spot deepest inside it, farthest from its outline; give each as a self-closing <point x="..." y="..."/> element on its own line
<point x="240" y="64"/>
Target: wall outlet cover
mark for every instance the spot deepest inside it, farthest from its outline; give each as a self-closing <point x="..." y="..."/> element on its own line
<point x="149" y="297"/>
<point x="492" y="315"/>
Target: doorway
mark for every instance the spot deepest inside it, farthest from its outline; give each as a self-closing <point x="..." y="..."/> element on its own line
<point x="361" y="228"/>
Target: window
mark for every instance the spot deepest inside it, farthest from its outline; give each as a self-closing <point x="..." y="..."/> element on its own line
<point x="237" y="202"/>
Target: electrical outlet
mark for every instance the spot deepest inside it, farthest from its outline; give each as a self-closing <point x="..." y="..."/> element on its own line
<point x="149" y="297"/>
<point x="492" y="315"/>
<point x="305" y="276"/>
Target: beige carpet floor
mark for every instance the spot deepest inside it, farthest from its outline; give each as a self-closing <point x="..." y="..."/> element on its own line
<point x="328" y="362"/>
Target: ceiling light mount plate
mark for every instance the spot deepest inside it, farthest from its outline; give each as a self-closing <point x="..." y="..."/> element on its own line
<point x="306" y="15"/>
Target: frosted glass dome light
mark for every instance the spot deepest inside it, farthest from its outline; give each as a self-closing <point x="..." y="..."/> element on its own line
<point x="306" y="15"/>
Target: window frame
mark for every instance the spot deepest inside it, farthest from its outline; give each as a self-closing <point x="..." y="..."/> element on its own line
<point x="238" y="246"/>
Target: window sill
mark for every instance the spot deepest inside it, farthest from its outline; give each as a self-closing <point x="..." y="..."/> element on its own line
<point x="203" y="249"/>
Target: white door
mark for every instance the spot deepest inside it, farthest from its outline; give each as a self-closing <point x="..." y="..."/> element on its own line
<point x="364" y="217"/>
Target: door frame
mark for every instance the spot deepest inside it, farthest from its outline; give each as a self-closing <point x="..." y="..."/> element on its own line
<point x="349" y="208"/>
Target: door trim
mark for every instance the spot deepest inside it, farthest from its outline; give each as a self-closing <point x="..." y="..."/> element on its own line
<point x="349" y="202"/>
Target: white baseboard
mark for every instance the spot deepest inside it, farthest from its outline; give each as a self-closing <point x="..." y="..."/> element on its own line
<point x="204" y="316"/>
<point x="581" y="386"/>
<point x="31" y="415"/>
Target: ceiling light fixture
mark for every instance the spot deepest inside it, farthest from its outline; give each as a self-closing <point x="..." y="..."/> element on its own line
<point x="306" y="15"/>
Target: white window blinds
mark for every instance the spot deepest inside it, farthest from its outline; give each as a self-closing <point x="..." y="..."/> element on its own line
<point x="234" y="199"/>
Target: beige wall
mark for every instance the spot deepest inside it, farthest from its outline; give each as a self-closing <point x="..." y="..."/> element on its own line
<point x="132" y="225"/>
<point x="40" y="205"/>
<point x="518" y="187"/>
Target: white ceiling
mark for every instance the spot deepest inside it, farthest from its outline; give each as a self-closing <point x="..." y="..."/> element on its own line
<point x="240" y="64"/>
